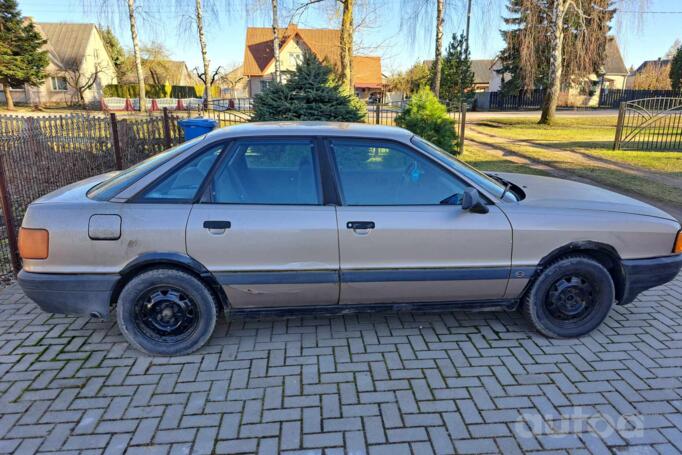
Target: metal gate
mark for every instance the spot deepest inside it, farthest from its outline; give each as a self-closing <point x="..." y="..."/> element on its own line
<point x="649" y="124"/>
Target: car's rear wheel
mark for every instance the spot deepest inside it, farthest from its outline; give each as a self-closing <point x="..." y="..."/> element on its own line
<point x="570" y="298"/>
<point x="166" y="312"/>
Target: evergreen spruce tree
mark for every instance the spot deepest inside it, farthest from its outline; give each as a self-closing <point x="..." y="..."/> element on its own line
<point x="456" y="74"/>
<point x="311" y="93"/>
<point x="21" y="60"/>
<point x="676" y="71"/>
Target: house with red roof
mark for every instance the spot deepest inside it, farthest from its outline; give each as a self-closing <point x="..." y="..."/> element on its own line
<point x="259" y="59"/>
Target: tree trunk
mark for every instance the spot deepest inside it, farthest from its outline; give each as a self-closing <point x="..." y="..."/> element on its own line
<point x="551" y="99"/>
<point x="8" y="96"/>
<point x="347" y="45"/>
<point x="435" y="83"/>
<point x="204" y="53"/>
<point x="138" y="58"/>
<point x="275" y="42"/>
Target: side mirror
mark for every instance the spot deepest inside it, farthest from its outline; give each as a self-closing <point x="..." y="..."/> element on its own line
<point x="473" y="202"/>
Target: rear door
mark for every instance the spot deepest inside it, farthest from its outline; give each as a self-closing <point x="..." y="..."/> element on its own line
<point x="398" y="243"/>
<point x="262" y="227"/>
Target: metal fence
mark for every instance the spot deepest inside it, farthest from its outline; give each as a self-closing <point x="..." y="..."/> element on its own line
<point x="41" y="154"/>
<point x="531" y="99"/>
<point x="649" y="124"/>
<point x="613" y="98"/>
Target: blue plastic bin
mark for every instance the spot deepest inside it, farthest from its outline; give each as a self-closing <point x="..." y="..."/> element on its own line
<point x="195" y="127"/>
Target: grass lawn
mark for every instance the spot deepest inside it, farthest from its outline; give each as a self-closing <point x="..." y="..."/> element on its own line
<point x="586" y="135"/>
<point x="592" y="135"/>
<point x="484" y="161"/>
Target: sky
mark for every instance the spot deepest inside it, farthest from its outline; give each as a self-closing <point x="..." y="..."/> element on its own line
<point x="641" y="36"/>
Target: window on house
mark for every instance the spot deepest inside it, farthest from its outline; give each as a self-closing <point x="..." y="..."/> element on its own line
<point x="296" y="58"/>
<point x="264" y="84"/>
<point x="59" y="84"/>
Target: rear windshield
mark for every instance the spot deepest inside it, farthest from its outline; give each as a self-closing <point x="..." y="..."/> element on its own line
<point x="107" y="189"/>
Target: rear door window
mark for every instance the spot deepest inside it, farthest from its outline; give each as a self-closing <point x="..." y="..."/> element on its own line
<point x="268" y="172"/>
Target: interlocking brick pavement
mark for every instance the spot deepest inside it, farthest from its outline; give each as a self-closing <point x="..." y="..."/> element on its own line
<point x="368" y="383"/>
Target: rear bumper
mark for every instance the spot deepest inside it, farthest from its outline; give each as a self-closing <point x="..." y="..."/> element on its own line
<point x="643" y="274"/>
<point x="78" y="294"/>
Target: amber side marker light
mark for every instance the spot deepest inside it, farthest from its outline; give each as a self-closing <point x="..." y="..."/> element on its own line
<point x="33" y="243"/>
<point x="677" y="247"/>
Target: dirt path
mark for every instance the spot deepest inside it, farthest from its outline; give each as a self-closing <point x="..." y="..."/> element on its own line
<point x="498" y="150"/>
<point x="579" y="156"/>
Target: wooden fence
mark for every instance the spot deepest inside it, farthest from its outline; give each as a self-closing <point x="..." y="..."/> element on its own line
<point x="649" y="124"/>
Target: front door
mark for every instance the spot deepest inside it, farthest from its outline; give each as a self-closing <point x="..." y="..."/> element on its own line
<point x="262" y="228"/>
<point x="399" y="243"/>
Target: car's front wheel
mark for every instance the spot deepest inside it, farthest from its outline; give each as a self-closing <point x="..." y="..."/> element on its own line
<point x="166" y="312"/>
<point x="570" y="298"/>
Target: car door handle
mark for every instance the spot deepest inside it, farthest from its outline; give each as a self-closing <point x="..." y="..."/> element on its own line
<point x="214" y="224"/>
<point x="360" y="225"/>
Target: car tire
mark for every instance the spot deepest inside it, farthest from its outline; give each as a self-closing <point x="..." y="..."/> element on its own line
<point x="166" y="312"/>
<point x="571" y="297"/>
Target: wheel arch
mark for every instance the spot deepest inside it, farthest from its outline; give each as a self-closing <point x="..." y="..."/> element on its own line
<point x="179" y="261"/>
<point x="603" y="253"/>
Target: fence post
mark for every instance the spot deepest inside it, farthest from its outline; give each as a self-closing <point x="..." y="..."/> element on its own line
<point x="9" y="219"/>
<point x="378" y="114"/>
<point x="115" y="142"/>
<point x="166" y="128"/>
<point x="619" y="126"/>
<point x="462" y="121"/>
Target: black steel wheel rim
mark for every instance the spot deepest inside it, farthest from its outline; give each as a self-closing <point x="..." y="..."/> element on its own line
<point x="166" y="314"/>
<point x="571" y="298"/>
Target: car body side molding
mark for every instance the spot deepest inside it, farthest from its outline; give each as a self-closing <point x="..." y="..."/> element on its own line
<point x="373" y="275"/>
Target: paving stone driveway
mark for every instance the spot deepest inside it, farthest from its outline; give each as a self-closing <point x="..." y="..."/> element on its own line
<point x="380" y="383"/>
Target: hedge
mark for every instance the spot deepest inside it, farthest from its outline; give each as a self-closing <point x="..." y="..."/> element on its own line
<point x="152" y="91"/>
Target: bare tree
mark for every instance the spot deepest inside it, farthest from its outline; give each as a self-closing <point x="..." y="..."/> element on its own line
<point x="435" y="84"/>
<point x="81" y="80"/>
<point x="346" y="44"/>
<point x="654" y="76"/>
<point x="136" y="53"/>
<point x="275" y="41"/>
<point x="204" y="52"/>
<point x="565" y="38"/>
<point x="127" y="12"/>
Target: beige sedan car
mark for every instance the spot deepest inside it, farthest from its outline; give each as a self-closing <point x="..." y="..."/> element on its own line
<point x="283" y="218"/>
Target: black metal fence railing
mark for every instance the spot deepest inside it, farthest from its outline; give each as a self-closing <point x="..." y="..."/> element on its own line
<point x="530" y="99"/>
<point x="649" y="124"/>
<point x="613" y="98"/>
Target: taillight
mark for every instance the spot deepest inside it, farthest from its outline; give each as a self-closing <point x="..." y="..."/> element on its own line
<point x="33" y="243"/>
<point x="677" y="248"/>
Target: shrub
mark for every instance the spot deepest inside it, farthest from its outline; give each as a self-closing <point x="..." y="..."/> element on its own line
<point x="428" y="118"/>
<point x="310" y="93"/>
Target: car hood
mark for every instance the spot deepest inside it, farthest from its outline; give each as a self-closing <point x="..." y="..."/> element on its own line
<point x="75" y="192"/>
<point x="558" y="193"/>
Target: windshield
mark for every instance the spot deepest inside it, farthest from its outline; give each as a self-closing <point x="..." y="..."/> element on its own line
<point x="492" y="185"/>
<point x="107" y="189"/>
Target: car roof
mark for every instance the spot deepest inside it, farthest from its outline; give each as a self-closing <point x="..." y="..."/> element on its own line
<point x="300" y="128"/>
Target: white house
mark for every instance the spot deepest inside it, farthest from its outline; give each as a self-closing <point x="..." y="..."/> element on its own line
<point x="77" y="58"/>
